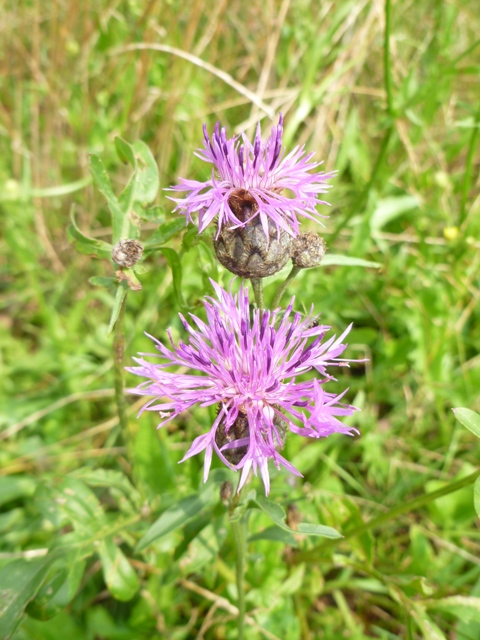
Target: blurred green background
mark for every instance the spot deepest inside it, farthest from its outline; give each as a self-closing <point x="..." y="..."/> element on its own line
<point x="402" y="132"/>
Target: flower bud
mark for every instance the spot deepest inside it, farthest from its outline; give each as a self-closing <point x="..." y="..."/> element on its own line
<point x="246" y="251"/>
<point x="308" y="250"/>
<point x="126" y="253"/>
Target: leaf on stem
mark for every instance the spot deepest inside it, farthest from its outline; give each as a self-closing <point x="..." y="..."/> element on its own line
<point x="119" y="575"/>
<point x="277" y="513"/>
<point x="86" y="245"/>
<point x="469" y="419"/>
<point x="117" y="305"/>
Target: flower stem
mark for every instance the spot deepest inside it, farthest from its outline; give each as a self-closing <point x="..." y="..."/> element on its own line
<point x="257" y="284"/>
<point x="282" y="288"/>
<point x="118" y="351"/>
<point x="238" y="528"/>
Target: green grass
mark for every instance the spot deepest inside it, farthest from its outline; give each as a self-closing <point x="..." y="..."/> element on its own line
<point x="404" y="139"/>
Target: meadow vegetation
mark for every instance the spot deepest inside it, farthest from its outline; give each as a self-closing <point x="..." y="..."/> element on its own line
<point x="388" y="97"/>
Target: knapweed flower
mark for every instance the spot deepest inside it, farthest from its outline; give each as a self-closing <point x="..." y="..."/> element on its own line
<point x="250" y="180"/>
<point x="249" y="369"/>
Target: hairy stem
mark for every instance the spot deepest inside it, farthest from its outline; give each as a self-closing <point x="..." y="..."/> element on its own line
<point x="238" y="528"/>
<point x="282" y="288"/>
<point x="118" y="351"/>
<point x="257" y="284"/>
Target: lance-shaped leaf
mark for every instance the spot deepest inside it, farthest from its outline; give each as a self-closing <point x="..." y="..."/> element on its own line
<point x="277" y="513"/>
<point x="100" y="176"/>
<point x="19" y="583"/>
<point x="119" y="575"/>
<point x="86" y="245"/>
<point x="338" y="260"/>
<point x="469" y="419"/>
<point x="175" y="265"/>
<point x="60" y="586"/>
<point x="164" y="233"/>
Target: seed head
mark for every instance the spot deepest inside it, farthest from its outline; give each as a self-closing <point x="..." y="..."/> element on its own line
<point x="126" y="253"/>
<point x="308" y="250"/>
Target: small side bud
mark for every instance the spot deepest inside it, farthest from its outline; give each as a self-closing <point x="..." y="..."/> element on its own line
<point x="308" y="250"/>
<point x="226" y="492"/>
<point x="126" y="253"/>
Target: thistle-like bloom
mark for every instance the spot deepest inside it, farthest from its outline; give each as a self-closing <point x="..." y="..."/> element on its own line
<point x="249" y="369"/>
<point x="276" y="186"/>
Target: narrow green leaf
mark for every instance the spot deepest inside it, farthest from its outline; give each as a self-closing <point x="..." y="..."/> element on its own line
<point x="476" y="496"/>
<point x="125" y="227"/>
<point x="150" y="214"/>
<point x="275" y="534"/>
<point x="19" y="583"/>
<point x="61" y="189"/>
<point x="11" y="519"/>
<point x="67" y="500"/>
<point x="119" y="575"/>
<point x="175" y="265"/>
<point x="277" y="513"/>
<point x="174" y="517"/>
<point x="86" y="245"/>
<point x="152" y="461"/>
<point x="337" y="260"/>
<point x="469" y="419"/>
<point x="148" y="181"/>
<point x="389" y="209"/>
<point x="428" y="628"/>
<point x="100" y="176"/>
<point x="103" y="183"/>
<point x="100" y="281"/>
<point x="125" y="152"/>
<point x="15" y="487"/>
<point x="60" y="587"/>
<point x="463" y="607"/>
<point x="117" y="305"/>
<point x="308" y="529"/>
<point x="164" y="233"/>
<point x="112" y="480"/>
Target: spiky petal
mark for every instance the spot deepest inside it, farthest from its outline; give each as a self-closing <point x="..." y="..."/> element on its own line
<point x="282" y="186"/>
<point x="249" y="367"/>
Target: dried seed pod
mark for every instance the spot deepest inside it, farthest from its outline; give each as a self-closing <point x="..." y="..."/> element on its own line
<point x="246" y="251"/>
<point x="126" y="253"/>
<point x="226" y="491"/>
<point x="308" y="250"/>
<point x="239" y="430"/>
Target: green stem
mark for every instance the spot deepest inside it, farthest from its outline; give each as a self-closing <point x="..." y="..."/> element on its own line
<point x="411" y="505"/>
<point x="282" y="288"/>
<point x="468" y="167"/>
<point x="257" y="284"/>
<point x="118" y="351"/>
<point x="386" y="58"/>
<point x="238" y="528"/>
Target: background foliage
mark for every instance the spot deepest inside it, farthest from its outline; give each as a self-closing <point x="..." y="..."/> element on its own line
<point x="74" y="76"/>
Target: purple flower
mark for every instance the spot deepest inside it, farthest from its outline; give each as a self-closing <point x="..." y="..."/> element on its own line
<point x="250" y="370"/>
<point x="279" y="186"/>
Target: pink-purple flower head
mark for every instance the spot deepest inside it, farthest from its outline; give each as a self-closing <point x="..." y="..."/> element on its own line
<point x="249" y="369"/>
<point x="279" y="187"/>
